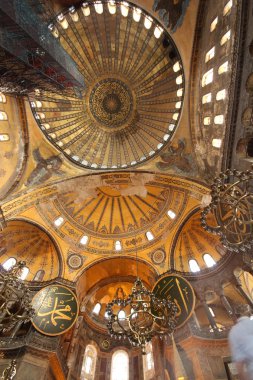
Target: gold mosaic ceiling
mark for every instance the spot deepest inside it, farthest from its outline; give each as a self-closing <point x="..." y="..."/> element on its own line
<point x="135" y="84"/>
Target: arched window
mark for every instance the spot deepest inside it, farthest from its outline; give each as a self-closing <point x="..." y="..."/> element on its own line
<point x="24" y="273"/>
<point x="3" y="115"/>
<point x="2" y="98"/>
<point x="209" y="260"/>
<point x="4" y="137"/>
<point x="8" y="264"/>
<point x="121" y="314"/>
<point x="194" y="266"/>
<point x="39" y="275"/>
<point x="97" y="308"/>
<point x="89" y="363"/>
<point x="149" y="235"/>
<point x="148" y="363"/>
<point x="120" y="366"/>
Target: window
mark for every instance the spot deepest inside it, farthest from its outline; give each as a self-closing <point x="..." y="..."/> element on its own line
<point x="171" y="214"/>
<point x="58" y="222"/>
<point x="221" y="95"/>
<point x="120" y="366"/>
<point x="121" y="314"/>
<point x="207" y="120"/>
<point x="210" y="54"/>
<point x="194" y="266"/>
<point x="62" y="21"/>
<point x="180" y="92"/>
<point x="99" y="7"/>
<point x="225" y="38"/>
<point x="213" y="24"/>
<point x="158" y="31"/>
<point x="85" y="9"/>
<point x="178" y="104"/>
<point x="39" y="275"/>
<point x="4" y="137"/>
<point x="209" y="260"/>
<point x="147" y="22"/>
<point x="24" y="273"/>
<point x="148" y="363"/>
<point x="219" y="119"/>
<point x="216" y="143"/>
<point x="207" y="98"/>
<point x="73" y="13"/>
<point x="211" y="311"/>
<point x="175" y="116"/>
<point x="112" y="7"/>
<point x="179" y="79"/>
<point x="97" y="308"/>
<point x="118" y="246"/>
<point x="124" y="9"/>
<point x="2" y="98"/>
<point x="223" y="68"/>
<point x="149" y="235"/>
<point x="89" y="363"/>
<point x="136" y="14"/>
<point x="8" y="264"/>
<point x="227" y="7"/>
<point x="84" y="240"/>
<point x="207" y="78"/>
<point x="176" y="67"/>
<point x="3" y="115"/>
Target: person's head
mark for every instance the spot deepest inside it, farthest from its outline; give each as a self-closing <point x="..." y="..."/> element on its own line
<point x="243" y="310"/>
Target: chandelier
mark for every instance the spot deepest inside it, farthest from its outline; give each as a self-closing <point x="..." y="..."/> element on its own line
<point x="232" y="208"/>
<point x="140" y="316"/>
<point x="15" y="304"/>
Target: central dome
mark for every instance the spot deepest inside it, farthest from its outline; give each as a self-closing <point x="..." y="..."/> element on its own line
<point x="134" y="91"/>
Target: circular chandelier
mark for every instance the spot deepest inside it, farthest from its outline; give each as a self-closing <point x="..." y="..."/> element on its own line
<point x="140" y="316"/>
<point x="232" y="208"/>
<point x="15" y="303"/>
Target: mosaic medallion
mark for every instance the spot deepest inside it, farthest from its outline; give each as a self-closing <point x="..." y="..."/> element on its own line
<point x="75" y="261"/>
<point x="111" y="102"/>
<point x="158" y="256"/>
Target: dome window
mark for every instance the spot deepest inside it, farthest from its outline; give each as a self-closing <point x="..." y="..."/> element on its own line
<point x="194" y="266"/>
<point x="225" y="38"/>
<point x="219" y="119"/>
<point x="124" y="7"/>
<point x="208" y="260"/>
<point x="4" y="137"/>
<point x="171" y="214"/>
<point x="207" y="78"/>
<point x="112" y="7"/>
<point x="2" y="98"/>
<point x="99" y="7"/>
<point x="85" y="9"/>
<point x="210" y="54"/>
<point x="221" y="95"/>
<point x="158" y="32"/>
<point x="216" y="143"/>
<point x="179" y="79"/>
<point x="58" y="222"/>
<point x="62" y="21"/>
<point x="84" y="240"/>
<point x="207" y="98"/>
<point x="149" y="236"/>
<point x="227" y="7"/>
<point x="24" y="273"/>
<point x="73" y="14"/>
<point x="207" y="120"/>
<point x="147" y="22"/>
<point x="96" y="309"/>
<point x="3" y="115"/>
<point x="180" y="92"/>
<point x="136" y="14"/>
<point x="8" y="264"/>
<point x="121" y="314"/>
<point x="176" y="67"/>
<point x="223" y="68"/>
<point x="118" y="246"/>
<point x="213" y="24"/>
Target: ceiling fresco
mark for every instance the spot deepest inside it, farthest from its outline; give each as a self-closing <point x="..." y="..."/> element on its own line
<point x="135" y="88"/>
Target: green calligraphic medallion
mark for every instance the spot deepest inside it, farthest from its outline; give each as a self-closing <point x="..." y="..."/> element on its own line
<point x="56" y="310"/>
<point x="177" y="289"/>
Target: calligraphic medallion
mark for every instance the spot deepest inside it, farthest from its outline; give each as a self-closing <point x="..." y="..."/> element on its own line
<point x="56" y="310"/>
<point x="177" y="289"/>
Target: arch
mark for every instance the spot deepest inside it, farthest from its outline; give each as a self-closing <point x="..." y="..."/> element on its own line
<point x="89" y="363"/>
<point x="120" y="365"/>
<point x="194" y="266"/>
<point x="36" y="247"/>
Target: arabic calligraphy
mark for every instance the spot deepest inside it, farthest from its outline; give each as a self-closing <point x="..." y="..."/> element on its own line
<point x="56" y="310"/>
<point x="177" y="289"/>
